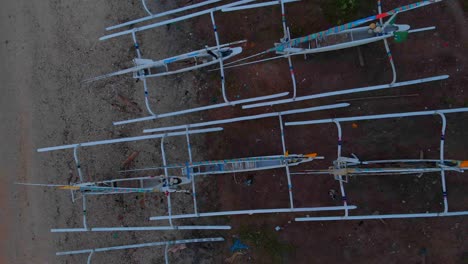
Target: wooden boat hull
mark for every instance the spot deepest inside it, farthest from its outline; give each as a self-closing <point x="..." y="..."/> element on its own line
<point x="245" y="165"/>
<point x="358" y="36"/>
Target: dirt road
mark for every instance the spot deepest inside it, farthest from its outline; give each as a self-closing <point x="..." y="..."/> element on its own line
<point x="25" y="40"/>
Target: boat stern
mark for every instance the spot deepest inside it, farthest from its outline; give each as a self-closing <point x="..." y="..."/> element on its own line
<point x="402" y="27"/>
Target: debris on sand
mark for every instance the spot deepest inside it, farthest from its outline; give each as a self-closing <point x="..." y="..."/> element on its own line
<point x="238" y="245"/>
<point x="126" y="164"/>
<point x="176" y="248"/>
<point x="128" y="105"/>
<point x="232" y="259"/>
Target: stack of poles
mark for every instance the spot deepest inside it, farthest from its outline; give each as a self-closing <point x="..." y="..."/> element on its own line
<point x="338" y="122"/>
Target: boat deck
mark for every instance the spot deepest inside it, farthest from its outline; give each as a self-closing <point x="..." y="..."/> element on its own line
<point x="341" y="38"/>
<point x="234" y="166"/>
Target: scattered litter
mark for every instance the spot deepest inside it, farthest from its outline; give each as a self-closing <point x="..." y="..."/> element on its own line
<point x="176" y="248"/>
<point x="238" y="245"/>
<point x="234" y="256"/>
<point x="130" y="105"/>
<point x="126" y="164"/>
<point x="249" y="181"/>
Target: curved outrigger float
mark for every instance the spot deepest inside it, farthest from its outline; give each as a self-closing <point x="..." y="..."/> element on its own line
<point x="147" y="68"/>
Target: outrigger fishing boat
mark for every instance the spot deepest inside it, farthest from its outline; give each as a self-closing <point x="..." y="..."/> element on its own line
<point x="349" y="35"/>
<point x="170" y="184"/>
<point x="343" y="36"/>
<point x="345" y="167"/>
<point x="176" y="177"/>
<point x="146" y="68"/>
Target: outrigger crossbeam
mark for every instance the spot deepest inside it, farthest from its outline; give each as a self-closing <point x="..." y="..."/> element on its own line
<point x="225" y="8"/>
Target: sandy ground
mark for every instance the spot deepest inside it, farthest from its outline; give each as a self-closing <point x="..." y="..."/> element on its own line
<point x="47" y="49"/>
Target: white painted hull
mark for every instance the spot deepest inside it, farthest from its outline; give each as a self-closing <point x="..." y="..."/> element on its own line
<point x="146" y="64"/>
<point x="235" y="51"/>
<point x="246" y="165"/>
<point x="345" y="45"/>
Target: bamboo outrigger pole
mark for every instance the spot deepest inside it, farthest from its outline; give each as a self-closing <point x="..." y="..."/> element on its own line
<point x="287" y="43"/>
<point x="241" y="4"/>
<point x="349" y="91"/>
<point x="90" y="252"/>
